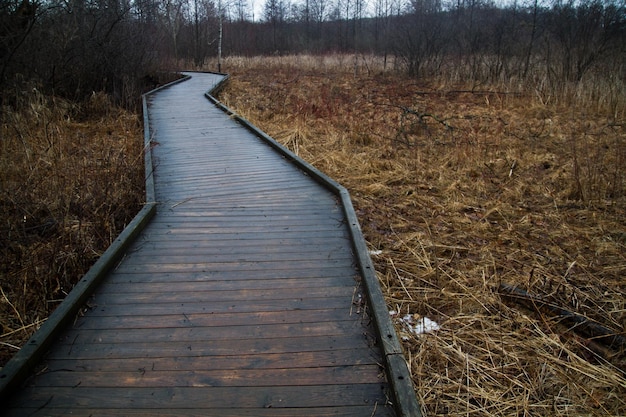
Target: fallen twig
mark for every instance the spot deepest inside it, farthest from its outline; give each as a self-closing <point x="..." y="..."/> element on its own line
<point x="580" y="324"/>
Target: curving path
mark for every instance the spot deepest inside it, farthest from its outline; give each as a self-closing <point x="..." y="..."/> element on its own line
<point x="242" y="297"/>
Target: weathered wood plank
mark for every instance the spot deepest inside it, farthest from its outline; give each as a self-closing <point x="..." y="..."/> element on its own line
<point x="233" y="275"/>
<point x="264" y="176"/>
<point x="339" y="357"/>
<point x="165" y="257"/>
<point x="159" y="321"/>
<point x="215" y="307"/>
<point x="259" y="346"/>
<point x="284" y="396"/>
<point x="234" y="202"/>
<point x="143" y="378"/>
<point x="242" y="208"/>
<point x="234" y="246"/>
<point x="214" y="267"/>
<point x="373" y="410"/>
<point x="191" y="332"/>
<point x="218" y="284"/>
<point x="228" y="295"/>
<point x="269" y="235"/>
<point x="268" y="222"/>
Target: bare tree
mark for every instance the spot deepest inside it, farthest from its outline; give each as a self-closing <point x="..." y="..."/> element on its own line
<point x="383" y="12"/>
<point x="420" y="37"/>
<point x="534" y="31"/>
<point x="16" y="23"/>
<point x="586" y="33"/>
<point x="204" y="21"/>
<point x="242" y="10"/>
<point x="275" y="12"/>
<point x="172" y="20"/>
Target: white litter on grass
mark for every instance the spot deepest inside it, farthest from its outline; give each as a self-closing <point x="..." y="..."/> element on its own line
<point x="415" y="325"/>
<point x="424" y="325"/>
<point x="376" y="252"/>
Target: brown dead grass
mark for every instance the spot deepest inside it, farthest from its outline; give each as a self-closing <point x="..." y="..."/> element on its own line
<point x="457" y="192"/>
<point x="71" y="179"/>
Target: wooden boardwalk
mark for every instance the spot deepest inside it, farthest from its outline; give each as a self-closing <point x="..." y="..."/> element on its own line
<point x="242" y="296"/>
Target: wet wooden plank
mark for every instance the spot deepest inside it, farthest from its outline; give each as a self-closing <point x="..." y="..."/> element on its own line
<point x="235" y="247"/>
<point x="192" y="296"/>
<point x="188" y="331"/>
<point x="142" y="378"/>
<point x="256" y="318"/>
<point x="200" y="349"/>
<point x="235" y="202"/>
<point x="297" y="287"/>
<point x="319" y="223"/>
<point x="163" y="257"/>
<point x="218" y="284"/>
<point x="233" y="275"/>
<point x="252" y="267"/>
<point x="222" y="306"/>
<point x="290" y="360"/>
<point x="352" y="411"/>
<point x="284" y="396"/>
<point x="270" y="236"/>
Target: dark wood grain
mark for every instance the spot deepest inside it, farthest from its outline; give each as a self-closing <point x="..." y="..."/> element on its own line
<point x="145" y="378"/>
<point x="351" y="411"/>
<point x="260" y="306"/>
<point x="189" y="295"/>
<point x="216" y="283"/>
<point x="200" y="347"/>
<point x="184" y="319"/>
<point x="130" y="266"/>
<point x="157" y="331"/>
<point x="290" y="360"/>
<point x="155" y="398"/>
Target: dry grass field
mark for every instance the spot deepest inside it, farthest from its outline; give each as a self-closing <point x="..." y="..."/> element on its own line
<point x="71" y="178"/>
<point x="497" y="212"/>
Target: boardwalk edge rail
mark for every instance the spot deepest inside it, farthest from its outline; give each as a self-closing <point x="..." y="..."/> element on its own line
<point x="23" y="363"/>
<point x="399" y="377"/>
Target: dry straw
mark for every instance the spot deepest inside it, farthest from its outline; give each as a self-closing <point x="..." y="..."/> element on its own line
<point x="71" y="178"/>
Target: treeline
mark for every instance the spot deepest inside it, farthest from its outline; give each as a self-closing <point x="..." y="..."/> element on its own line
<point x="72" y="48"/>
<point x="557" y="41"/>
<point x="75" y="47"/>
